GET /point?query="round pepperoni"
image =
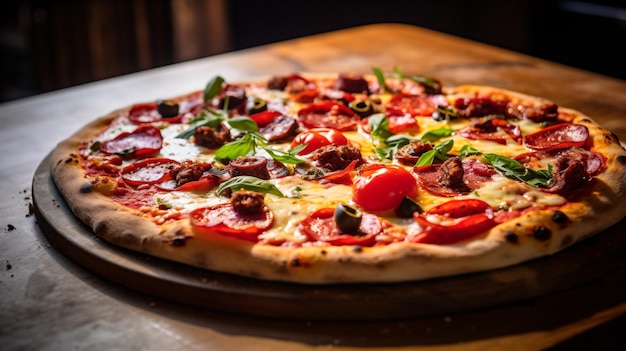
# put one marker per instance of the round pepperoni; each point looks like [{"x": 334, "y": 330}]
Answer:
[
  {"x": 321, "y": 226},
  {"x": 223, "y": 219},
  {"x": 475, "y": 173},
  {"x": 558, "y": 136},
  {"x": 328, "y": 114},
  {"x": 148, "y": 171},
  {"x": 414, "y": 105},
  {"x": 143, "y": 142}
]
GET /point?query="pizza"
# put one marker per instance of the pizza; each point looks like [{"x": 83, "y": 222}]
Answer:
[{"x": 344, "y": 178}]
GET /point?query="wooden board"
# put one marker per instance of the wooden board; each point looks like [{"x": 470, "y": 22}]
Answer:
[{"x": 585, "y": 261}]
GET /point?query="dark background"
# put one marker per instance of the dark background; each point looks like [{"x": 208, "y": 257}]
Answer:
[{"x": 48, "y": 45}]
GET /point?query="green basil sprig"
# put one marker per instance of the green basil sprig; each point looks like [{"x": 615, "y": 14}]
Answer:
[
  {"x": 386, "y": 144},
  {"x": 249, "y": 183},
  {"x": 513, "y": 169},
  {"x": 289, "y": 156},
  {"x": 418, "y": 79},
  {"x": 213, "y": 87},
  {"x": 380, "y": 76},
  {"x": 439, "y": 151},
  {"x": 206, "y": 118}
]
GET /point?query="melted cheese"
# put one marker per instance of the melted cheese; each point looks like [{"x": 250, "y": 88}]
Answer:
[{"x": 304, "y": 197}]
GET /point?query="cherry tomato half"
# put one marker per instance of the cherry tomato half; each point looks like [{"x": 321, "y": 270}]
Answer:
[
  {"x": 382, "y": 187},
  {"x": 316, "y": 138}
]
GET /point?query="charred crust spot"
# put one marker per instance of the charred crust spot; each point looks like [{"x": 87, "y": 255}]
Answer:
[
  {"x": 511, "y": 237},
  {"x": 295, "y": 262},
  {"x": 621, "y": 159},
  {"x": 178, "y": 241},
  {"x": 559, "y": 217},
  {"x": 541, "y": 233},
  {"x": 584, "y": 120},
  {"x": 68, "y": 160},
  {"x": 357, "y": 249},
  {"x": 86, "y": 188},
  {"x": 323, "y": 252}
]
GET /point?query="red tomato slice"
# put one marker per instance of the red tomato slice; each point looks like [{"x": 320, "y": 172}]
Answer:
[
  {"x": 316, "y": 138},
  {"x": 264, "y": 118},
  {"x": 144, "y": 113},
  {"x": 558, "y": 136},
  {"x": 223, "y": 219},
  {"x": 466, "y": 229},
  {"x": 460, "y": 208},
  {"x": 145, "y": 141},
  {"x": 382, "y": 187},
  {"x": 320, "y": 226},
  {"x": 328, "y": 114},
  {"x": 148, "y": 171}
]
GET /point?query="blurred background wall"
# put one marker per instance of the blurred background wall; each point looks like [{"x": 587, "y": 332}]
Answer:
[{"x": 48, "y": 45}]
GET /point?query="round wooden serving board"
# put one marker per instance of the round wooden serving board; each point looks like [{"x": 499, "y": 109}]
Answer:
[{"x": 581, "y": 263}]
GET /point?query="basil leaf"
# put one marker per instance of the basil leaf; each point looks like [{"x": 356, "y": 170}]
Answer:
[
  {"x": 213, "y": 87},
  {"x": 398, "y": 140},
  {"x": 468, "y": 150},
  {"x": 243, "y": 123},
  {"x": 513, "y": 169},
  {"x": 234, "y": 149},
  {"x": 436, "y": 134},
  {"x": 418, "y": 79},
  {"x": 249, "y": 183},
  {"x": 439, "y": 151},
  {"x": 379, "y": 126},
  {"x": 289, "y": 157},
  {"x": 381, "y": 78},
  {"x": 210, "y": 122},
  {"x": 385, "y": 153},
  {"x": 426, "y": 158},
  {"x": 445, "y": 147}
]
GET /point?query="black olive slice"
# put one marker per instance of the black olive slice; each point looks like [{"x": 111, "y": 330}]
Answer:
[
  {"x": 347, "y": 219},
  {"x": 444, "y": 113},
  {"x": 361, "y": 108},
  {"x": 256, "y": 105},
  {"x": 167, "y": 108},
  {"x": 407, "y": 208}
]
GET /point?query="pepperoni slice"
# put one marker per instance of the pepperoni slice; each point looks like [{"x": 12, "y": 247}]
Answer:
[
  {"x": 148, "y": 113},
  {"x": 558, "y": 136},
  {"x": 495, "y": 130},
  {"x": 414, "y": 105},
  {"x": 475, "y": 173},
  {"x": 321, "y": 226},
  {"x": 223, "y": 219},
  {"x": 143, "y": 142},
  {"x": 147, "y": 172},
  {"x": 328, "y": 114}
]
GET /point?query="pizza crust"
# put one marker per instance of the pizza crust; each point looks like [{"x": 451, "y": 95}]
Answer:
[{"x": 506, "y": 244}]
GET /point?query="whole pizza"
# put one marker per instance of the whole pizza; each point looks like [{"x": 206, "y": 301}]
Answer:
[{"x": 344, "y": 178}]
